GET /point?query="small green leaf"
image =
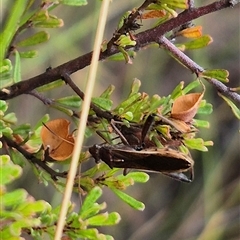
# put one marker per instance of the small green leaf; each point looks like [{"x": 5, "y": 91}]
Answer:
[
  {"x": 49, "y": 22},
  {"x": 138, "y": 176},
  {"x": 234, "y": 108},
  {"x": 74, "y": 2},
  {"x": 120, "y": 57},
  {"x": 17, "y": 158},
  {"x": 17, "y": 76},
  {"x": 10, "y": 118},
  {"x": 190, "y": 86},
  {"x": 91, "y": 198},
  {"x": 65, "y": 110},
  {"x": 93, "y": 210},
  {"x": 195, "y": 143},
  {"x": 200, "y": 42},
  {"x": 219, "y": 74},
  {"x": 129, "y": 200},
  {"x": 207, "y": 108},
  {"x": 104, "y": 219},
  {"x": 8, "y": 170},
  {"x": 5, "y": 66},
  {"x": 22, "y": 129},
  {"x": 108, "y": 92},
  {"x": 201, "y": 123},
  {"x": 70, "y": 101},
  {"x": 3, "y": 106},
  {"x": 15, "y": 197},
  {"x": 51, "y": 86},
  {"x": 28, "y": 54},
  {"x": 103, "y": 103},
  {"x": 30, "y": 208},
  {"x": 182, "y": 4},
  {"x": 35, "y": 39}
]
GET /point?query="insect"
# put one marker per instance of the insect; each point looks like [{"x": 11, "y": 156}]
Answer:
[
  {"x": 138, "y": 152},
  {"x": 167, "y": 161}
]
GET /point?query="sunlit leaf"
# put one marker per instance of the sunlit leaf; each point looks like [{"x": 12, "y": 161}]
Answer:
[
  {"x": 192, "y": 32},
  {"x": 74, "y": 2},
  {"x": 219, "y": 74},
  {"x": 129, "y": 200},
  {"x": 91, "y": 198},
  {"x": 197, "y": 43}
]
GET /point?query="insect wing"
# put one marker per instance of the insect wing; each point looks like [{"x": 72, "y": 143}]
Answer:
[{"x": 162, "y": 160}]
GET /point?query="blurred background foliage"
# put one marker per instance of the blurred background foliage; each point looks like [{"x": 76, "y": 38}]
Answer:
[{"x": 206, "y": 209}]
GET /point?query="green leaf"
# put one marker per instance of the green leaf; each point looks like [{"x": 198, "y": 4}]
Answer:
[
  {"x": 70, "y": 101},
  {"x": 8, "y": 170},
  {"x": 104, "y": 219},
  {"x": 200, "y": 42},
  {"x": 234, "y": 108},
  {"x": 182, "y": 4},
  {"x": 50, "y": 21},
  {"x": 103, "y": 103},
  {"x": 28, "y": 54},
  {"x": 17, "y": 158},
  {"x": 91, "y": 198},
  {"x": 22, "y": 129},
  {"x": 219, "y": 74},
  {"x": 195, "y": 143},
  {"x": 201, "y": 123},
  {"x": 65, "y": 110},
  {"x": 108, "y": 92},
  {"x": 129, "y": 200},
  {"x": 11, "y": 26},
  {"x": 30, "y": 208},
  {"x": 5, "y": 66},
  {"x": 3, "y": 106},
  {"x": 51, "y": 86},
  {"x": 141, "y": 177},
  {"x": 35, "y": 39},
  {"x": 10, "y": 118},
  {"x": 120, "y": 57},
  {"x": 74, "y": 2},
  {"x": 93, "y": 210},
  {"x": 15, "y": 197},
  {"x": 17, "y": 76},
  {"x": 190, "y": 86},
  {"x": 205, "y": 108}
]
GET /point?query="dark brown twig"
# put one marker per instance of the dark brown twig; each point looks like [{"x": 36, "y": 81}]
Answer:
[
  {"x": 31, "y": 158},
  {"x": 99, "y": 112}
]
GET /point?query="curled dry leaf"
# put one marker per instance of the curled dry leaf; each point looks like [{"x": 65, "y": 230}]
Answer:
[
  {"x": 57, "y": 140},
  {"x": 185, "y": 107}
]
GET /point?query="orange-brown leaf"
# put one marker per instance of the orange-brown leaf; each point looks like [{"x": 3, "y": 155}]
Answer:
[
  {"x": 185, "y": 107},
  {"x": 153, "y": 14},
  {"x": 56, "y": 139},
  {"x": 193, "y": 32}
]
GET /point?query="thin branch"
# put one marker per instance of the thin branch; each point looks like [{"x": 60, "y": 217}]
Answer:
[
  {"x": 99, "y": 112},
  {"x": 143, "y": 39},
  {"x": 195, "y": 68}
]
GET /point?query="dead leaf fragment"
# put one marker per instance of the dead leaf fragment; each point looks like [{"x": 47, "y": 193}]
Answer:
[
  {"x": 57, "y": 140},
  {"x": 185, "y": 107}
]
